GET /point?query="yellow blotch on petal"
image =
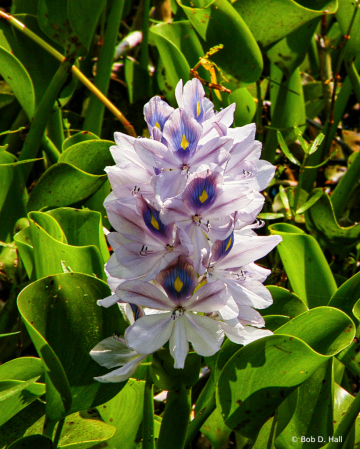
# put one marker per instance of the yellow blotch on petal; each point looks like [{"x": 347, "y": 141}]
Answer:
[
  {"x": 198, "y": 109},
  {"x": 178, "y": 284},
  {"x": 154, "y": 222},
  {"x": 228, "y": 245},
  {"x": 204, "y": 196},
  {"x": 157, "y": 125},
  {"x": 184, "y": 143}
]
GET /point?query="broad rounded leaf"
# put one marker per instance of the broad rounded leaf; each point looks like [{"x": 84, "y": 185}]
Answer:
[
  {"x": 77, "y": 138},
  {"x": 245, "y": 106},
  {"x": 22, "y": 368},
  {"x": 62, "y": 185},
  {"x": 284, "y": 303},
  {"x": 305, "y": 265},
  {"x": 32, "y": 442},
  {"x": 63, "y": 310},
  {"x": 217, "y": 22}
]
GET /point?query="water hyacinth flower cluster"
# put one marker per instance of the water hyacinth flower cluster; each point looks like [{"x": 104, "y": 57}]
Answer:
[{"x": 184, "y": 207}]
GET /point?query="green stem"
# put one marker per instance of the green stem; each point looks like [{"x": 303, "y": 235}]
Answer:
[
  {"x": 38, "y": 125},
  {"x": 95, "y": 112},
  {"x": 199, "y": 420},
  {"x": 13, "y": 139},
  {"x": 300, "y": 181},
  {"x": 50, "y": 149},
  {"x": 144, "y": 55},
  {"x": 176, "y": 419},
  {"x": 346, "y": 185},
  {"x": 346, "y": 424},
  {"x": 148, "y": 415},
  {"x": 58, "y": 433},
  {"x": 55, "y": 128}
]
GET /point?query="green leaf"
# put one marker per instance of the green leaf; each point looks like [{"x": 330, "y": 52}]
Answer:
[
  {"x": 77, "y": 138},
  {"x": 16, "y": 395},
  {"x": 310, "y": 202},
  {"x": 217, "y": 22},
  {"x": 84, "y": 16},
  {"x": 285, "y": 303},
  {"x": 138, "y": 81},
  {"x": 174, "y": 65},
  {"x": 270, "y": 216},
  {"x": 258, "y": 377},
  {"x": 63, "y": 310},
  {"x": 245, "y": 106},
  {"x": 49, "y": 225},
  {"x": 15, "y": 74},
  {"x": 23, "y": 368},
  {"x": 83, "y": 259},
  {"x": 32, "y": 442},
  {"x": 125, "y": 412},
  {"x": 290, "y": 52},
  {"x": 313, "y": 414},
  {"x": 273, "y": 322},
  {"x": 272, "y": 20},
  {"x": 285, "y": 149},
  {"x": 26, "y": 250},
  {"x": 323, "y": 162},
  {"x": 80, "y": 226},
  {"x": 317, "y": 142},
  {"x": 62, "y": 185},
  {"x": 9, "y": 335},
  {"x": 90, "y": 156},
  {"x": 322, "y": 223},
  {"x": 305, "y": 265},
  {"x": 326, "y": 329}
]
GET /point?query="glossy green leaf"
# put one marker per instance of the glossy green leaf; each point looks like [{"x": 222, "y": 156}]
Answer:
[
  {"x": 322, "y": 223},
  {"x": 23, "y": 368},
  {"x": 310, "y": 202},
  {"x": 16, "y": 395},
  {"x": 290, "y": 51},
  {"x": 305, "y": 265},
  {"x": 19, "y": 80},
  {"x": 90, "y": 156},
  {"x": 63, "y": 309},
  {"x": 84, "y": 16},
  {"x": 287, "y": 109},
  {"x": 125, "y": 412},
  {"x": 245, "y": 106},
  {"x": 62, "y": 257},
  {"x": 217, "y": 22},
  {"x": 62, "y": 185},
  {"x": 273, "y": 322},
  {"x": 26, "y": 250},
  {"x": 270, "y": 216},
  {"x": 344, "y": 15},
  {"x": 264, "y": 435},
  {"x": 285, "y": 149},
  {"x": 77, "y": 138},
  {"x": 49, "y": 225},
  {"x": 82, "y": 228},
  {"x": 285, "y": 303},
  {"x": 271, "y": 20},
  {"x": 258, "y": 377},
  {"x": 313, "y": 414},
  {"x": 174, "y": 64},
  {"x": 32, "y": 442},
  {"x": 346, "y": 297}
]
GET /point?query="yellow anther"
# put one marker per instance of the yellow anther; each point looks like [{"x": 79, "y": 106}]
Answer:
[
  {"x": 154, "y": 222},
  {"x": 157, "y": 125},
  {"x": 228, "y": 245},
  {"x": 184, "y": 143},
  {"x": 198, "y": 109},
  {"x": 178, "y": 284},
  {"x": 204, "y": 196}
]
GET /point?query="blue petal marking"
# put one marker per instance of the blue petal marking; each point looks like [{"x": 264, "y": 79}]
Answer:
[
  {"x": 196, "y": 190},
  {"x": 221, "y": 248},
  {"x": 152, "y": 220},
  {"x": 169, "y": 283}
]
